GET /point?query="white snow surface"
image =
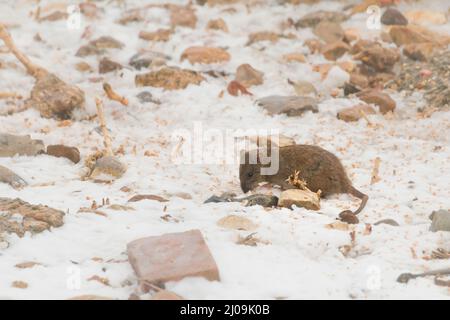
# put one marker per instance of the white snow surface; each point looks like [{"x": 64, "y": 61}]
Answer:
[{"x": 300, "y": 257}]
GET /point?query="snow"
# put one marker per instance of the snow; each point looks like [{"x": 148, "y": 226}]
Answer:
[{"x": 301, "y": 258}]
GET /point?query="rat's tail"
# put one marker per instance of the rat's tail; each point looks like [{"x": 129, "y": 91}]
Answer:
[{"x": 361, "y": 196}]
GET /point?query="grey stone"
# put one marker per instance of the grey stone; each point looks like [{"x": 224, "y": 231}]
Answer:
[
  {"x": 147, "y": 59},
  {"x": 289, "y": 105},
  {"x": 314, "y": 18},
  {"x": 393, "y": 17},
  {"x": 10, "y": 145},
  {"x": 440, "y": 221},
  {"x": 11, "y": 178},
  {"x": 147, "y": 97}
]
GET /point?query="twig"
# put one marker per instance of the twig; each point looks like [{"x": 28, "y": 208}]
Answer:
[
  {"x": 113, "y": 95},
  {"x": 440, "y": 254},
  {"x": 8, "y": 95},
  {"x": 295, "y": 181},
  {"x": 376, "y": 167},
  {"x": 32, "y": 69},
  {"x": 405, "y": 277},
  {"x": 101, "y": 120},
  {"x": 364, "y": 115}
]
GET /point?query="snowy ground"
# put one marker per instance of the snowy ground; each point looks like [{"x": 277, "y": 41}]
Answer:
[{"x": 301, "y": 258}]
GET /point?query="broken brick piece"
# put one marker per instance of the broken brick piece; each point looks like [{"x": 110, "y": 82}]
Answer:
[{"x": 171, "y": 257}]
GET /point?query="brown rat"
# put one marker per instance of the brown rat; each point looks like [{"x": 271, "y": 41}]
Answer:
[{"x": 320, "y": 169}]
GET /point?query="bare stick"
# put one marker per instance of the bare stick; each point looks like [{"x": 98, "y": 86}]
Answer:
[
  {"x": 9, "y": 95},
  {"x": 101, "y": 120},
  {"x": 113, "y": 95},
  {"x": 364, "y": 115},
  {"x": 32, "y": 69},
  {"x": 405, "y": 277}
]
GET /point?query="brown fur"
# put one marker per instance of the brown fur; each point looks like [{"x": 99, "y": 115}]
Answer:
[{"x": 320, "y": 169}]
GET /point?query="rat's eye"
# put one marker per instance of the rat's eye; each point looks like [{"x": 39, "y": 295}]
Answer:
[{"x": 250, "y": 174}]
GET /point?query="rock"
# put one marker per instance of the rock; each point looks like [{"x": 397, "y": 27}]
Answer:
[
  {"x": 158, "y": 35},
  {"x": 182, "y": 16},
  {"x": 169, "y": 78},
  {"x": 83, "y": 67},
  {"x": 217, "y": 24},
  {"x": 224, "y": 197},
  {"x": 11, "y": 178},
  {"x": 166, "y": 295},
  {"x": 108, "y": 168},
  {"x": 71, "y": 153},
  {"x": 89, "y": 9},
  {"x": 393, "y": 17},
  {"x": 11, "y": 145},
  {"x": 148, "y": 59},
  {"x": 234, "y": 88},
  {"x": 152, "y": 197},
  {"x": 314, "y": 45},
  {"x": 107, "y": 42},
  {"x": 205, "y": 55},
  {"x": 335, "y": 50},
  {"x": 303, "y": 88},
  {"x": 106, "y": 65},
  {"x": 363, "y": 44},
  {"x": 390, "y": 222},
  {"x": 35, "y": 218},
  {"x": 300, "y": 198},
  {"x": 146, "y": 97},
  {"x": 351, "y": 34},
  {"x": 329, "y": 32},
  {"x": 440, "y": 221},
  {"x": 19, "y": 284},
  {"x": 55, "y": 16},
  {"x": 402, "y": 35},
  {"x": 382, "y": 100},
  {"x": 355, "y": 113},
  {"x": 338, "y": 225},
  {"x": 34, "y": 226},
  {"x": 426, "y": 16},
  {"x": 314, "y": 18},
  {"x": 290, "y": 105},
  {"x": 386, "y": 37},
  {"x": 379, "y": 58},
  {"x": 419, "y": 51},
  {"x": 248, "y": 76},
  {"x": 262, "y": 36},
  {"x": 359, "y": 80},
  {"x": 348, "y": 217},
  {"x": 54, "y": 98},
  {"x": 262, "y": 200},
  {"x": 171, "y": 257},
  {"x": 347, "y": 66},
  {"x": 99, "y": 46},
  {"x": 294, "y": 57},
  {"x": 88, "y": 50},
  {"x": 90, "y": 297},
  {"x": 350, "y": 88},
  {"x": 237, "y": 223}
]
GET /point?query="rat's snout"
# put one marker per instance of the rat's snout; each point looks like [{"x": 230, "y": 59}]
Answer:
[{"x": 244, "y": 187}]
